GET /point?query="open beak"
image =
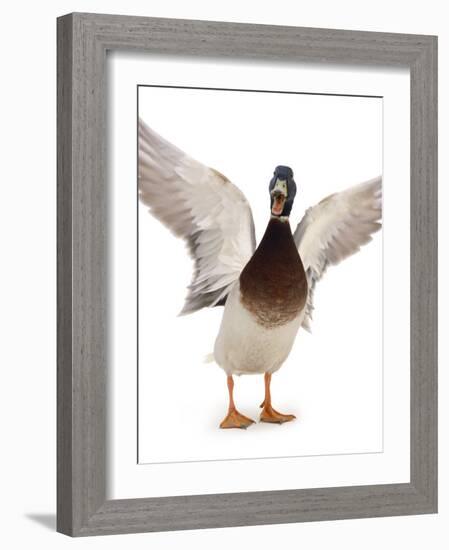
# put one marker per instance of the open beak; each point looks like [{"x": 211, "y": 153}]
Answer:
[{"x": 278, "y": 203}]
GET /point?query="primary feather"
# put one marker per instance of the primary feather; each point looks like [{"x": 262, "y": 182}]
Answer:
[
  {"x": 202, "y": 206},
  {"x": 335, "y": 228}
]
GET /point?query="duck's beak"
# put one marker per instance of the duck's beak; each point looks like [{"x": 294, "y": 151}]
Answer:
[{"x": 278, "y": 203}]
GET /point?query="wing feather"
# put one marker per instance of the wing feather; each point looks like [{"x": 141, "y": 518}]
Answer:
[
  {"x": 203, "y": 207},
  {"x": 336, "y": 228}
]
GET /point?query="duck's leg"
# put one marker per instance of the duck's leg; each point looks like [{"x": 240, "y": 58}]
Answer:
[
  {"x": 234, "y": 419},
  {"x": 269, "y": 414}
]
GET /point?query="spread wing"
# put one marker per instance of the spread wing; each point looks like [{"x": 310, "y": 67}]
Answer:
[
  {"x": 203, "y": 207},
  {"x": 335, "y": 228}
]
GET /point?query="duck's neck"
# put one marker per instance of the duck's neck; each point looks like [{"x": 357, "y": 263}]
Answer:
[
  {"x": 278, "y": 233},
  {"x": 280, "y": 218}
]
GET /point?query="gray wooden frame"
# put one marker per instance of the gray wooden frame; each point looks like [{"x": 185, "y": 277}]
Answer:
[{"x": 83, "y": 40}]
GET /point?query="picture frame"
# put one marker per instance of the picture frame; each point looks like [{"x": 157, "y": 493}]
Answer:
[{"x": 83, "y": 41}]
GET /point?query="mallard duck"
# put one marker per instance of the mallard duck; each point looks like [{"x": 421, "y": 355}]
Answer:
[{"x": 267, "y": 291}]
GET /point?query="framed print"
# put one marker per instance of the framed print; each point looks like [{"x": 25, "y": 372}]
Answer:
[{"x": 240, "y": 200}]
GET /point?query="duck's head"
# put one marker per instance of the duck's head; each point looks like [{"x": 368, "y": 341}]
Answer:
[{"x": 282, "y": 191}]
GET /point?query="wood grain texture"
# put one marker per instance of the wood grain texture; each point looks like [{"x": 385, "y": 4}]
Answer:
[
  {"x": 83, "y": 40},
  {"x": 64, "y": 278},
  {"x": 423, "y": 273}
]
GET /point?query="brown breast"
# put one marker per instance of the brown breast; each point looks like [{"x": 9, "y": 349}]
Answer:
[{"x": 273, "y": 284}]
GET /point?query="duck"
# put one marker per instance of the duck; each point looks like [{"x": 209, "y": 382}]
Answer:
[{"x": 266, "y": 290}]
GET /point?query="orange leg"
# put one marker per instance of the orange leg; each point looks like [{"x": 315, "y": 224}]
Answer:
[
  {"x": 269, "y": 414},
  {"x": 234, "y": 419}
]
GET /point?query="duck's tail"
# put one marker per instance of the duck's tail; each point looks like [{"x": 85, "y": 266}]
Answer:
[{"x": 209, "y": 358}]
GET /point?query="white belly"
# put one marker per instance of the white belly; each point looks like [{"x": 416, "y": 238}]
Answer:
[{"x": 243, "y": 346}]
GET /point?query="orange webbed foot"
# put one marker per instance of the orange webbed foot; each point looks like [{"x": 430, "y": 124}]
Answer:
[
  {"x": 236, "y": 420},
  {"x": 269, "y": 414}
]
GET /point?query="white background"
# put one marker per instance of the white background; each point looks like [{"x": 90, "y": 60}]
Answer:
[
  {"x": 28, "y": 275},
  {"x": 338, "y": 437},
  {"x": 334, "y": 389}
]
